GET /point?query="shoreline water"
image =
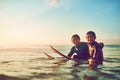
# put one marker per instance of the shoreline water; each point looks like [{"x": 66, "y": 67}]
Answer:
[{"x": 31, "y": 64}]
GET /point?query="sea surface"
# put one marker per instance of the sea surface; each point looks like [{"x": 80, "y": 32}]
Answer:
[{"x": 30, "y": 63}]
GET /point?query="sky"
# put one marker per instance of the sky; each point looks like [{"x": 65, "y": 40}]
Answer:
[{"x": 24, "y": 22}]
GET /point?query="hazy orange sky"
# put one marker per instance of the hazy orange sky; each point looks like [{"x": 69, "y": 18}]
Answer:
[{"x": 55, "y": 21}]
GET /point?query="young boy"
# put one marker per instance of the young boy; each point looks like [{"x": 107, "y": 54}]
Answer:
[
  {"x": 80, "y": 48},
  {"x": 95, "y": 49}
]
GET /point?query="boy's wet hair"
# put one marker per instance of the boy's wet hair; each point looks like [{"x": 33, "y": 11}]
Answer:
[
  {"x": 92, "y": 33},
  {"x": 76, "y": 35}
]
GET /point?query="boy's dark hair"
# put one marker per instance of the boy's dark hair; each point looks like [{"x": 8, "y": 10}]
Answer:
[
  {"x": 76, "y": 35},
  {"x": 92, "y": 33}
]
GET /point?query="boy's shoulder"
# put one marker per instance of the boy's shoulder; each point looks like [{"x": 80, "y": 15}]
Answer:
[
  {"x": 83, "y": 44},
  {"x": 100, "y": 44}
]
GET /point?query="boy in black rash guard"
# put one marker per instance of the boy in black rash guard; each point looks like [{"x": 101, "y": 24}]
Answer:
[
  {"x": 80, "y": 48},
  {"x": 95, "y": 49}
]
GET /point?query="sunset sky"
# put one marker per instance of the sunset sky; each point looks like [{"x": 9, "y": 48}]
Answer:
[{"x": 55, "y": 21}]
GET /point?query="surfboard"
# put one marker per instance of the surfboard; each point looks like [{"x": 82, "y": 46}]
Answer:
[
  {"x": 61, "y": 54},
  {"x": 48, "y": 56}
]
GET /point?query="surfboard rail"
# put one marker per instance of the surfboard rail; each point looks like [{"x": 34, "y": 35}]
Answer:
[{"x": 59, "y": 53}]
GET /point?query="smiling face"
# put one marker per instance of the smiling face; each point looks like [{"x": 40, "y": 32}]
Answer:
[
  {"x": 90, "y": 38},
  {"x": 75, "y": 40}
]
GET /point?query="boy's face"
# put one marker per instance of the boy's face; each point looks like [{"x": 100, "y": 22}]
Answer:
[
  {"x": 90, "y": 38},
  {"x": 75, "y": 40}
]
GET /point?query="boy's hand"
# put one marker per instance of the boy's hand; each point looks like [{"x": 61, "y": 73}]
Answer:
[{"x": 91, "y": 61}]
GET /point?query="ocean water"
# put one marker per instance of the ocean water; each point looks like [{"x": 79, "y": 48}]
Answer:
[{"x": 30, "y": 63}]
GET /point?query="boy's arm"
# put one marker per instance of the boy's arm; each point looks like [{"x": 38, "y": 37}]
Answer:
[
  {"x": 71, "y": 52},
  {"x": 98, "y": 51},
  {"x": 101, "y": 44}
]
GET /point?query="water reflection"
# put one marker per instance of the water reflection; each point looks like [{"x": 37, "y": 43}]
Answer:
[
  {"x": 91, "y": 72},
  {"x": 32, "y": 66}
]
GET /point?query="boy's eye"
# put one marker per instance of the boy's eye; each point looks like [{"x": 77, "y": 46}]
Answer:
[{"x": 88, "y": 37}]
